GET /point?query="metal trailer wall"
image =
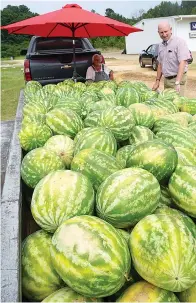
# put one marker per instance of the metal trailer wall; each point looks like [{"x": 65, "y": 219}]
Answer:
[{"x": 11, "y": 212}]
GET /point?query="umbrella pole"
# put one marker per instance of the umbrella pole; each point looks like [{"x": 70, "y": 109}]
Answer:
[{"x": 74, "y": 55}]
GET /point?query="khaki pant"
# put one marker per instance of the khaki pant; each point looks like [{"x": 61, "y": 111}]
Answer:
[{"x": 170, "y": 83}]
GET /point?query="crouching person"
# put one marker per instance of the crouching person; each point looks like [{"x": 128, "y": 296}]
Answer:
[{"x": 98, "y": 71}]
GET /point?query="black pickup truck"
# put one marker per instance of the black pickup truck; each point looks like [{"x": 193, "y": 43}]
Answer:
[{"x": 50, "y": 60}]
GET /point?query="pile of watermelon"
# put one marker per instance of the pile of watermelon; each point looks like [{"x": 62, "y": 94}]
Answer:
[{"x": 113, "y": 172}]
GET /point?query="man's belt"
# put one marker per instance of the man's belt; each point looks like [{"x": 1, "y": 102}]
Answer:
[{"x": 172, "y": 77}]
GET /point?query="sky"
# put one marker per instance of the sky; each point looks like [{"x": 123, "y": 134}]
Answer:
[{"x": 127, "y": 8}]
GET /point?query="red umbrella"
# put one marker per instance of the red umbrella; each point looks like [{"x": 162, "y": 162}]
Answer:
[{"x": 71, "y": 21}]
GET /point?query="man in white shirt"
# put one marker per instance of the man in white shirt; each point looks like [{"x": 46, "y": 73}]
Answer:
[{"x": 98, "y": 71}]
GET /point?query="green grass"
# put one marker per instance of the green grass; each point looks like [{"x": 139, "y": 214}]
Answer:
[
  {"x": 12, "y": 80},
  {"x": 15, "y": 58}
]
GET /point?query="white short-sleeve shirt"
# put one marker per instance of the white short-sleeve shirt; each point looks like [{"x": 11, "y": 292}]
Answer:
[{"x": 90, "y": 74}]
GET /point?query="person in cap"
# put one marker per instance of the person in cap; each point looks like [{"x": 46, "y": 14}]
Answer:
[
  {"x": 172, "y": 59},
  {"x": 98, "y": 71}
]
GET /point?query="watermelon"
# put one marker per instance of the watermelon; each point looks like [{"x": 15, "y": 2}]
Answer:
[
  {"x": 185, "y": 156},
  {"x": 126, "y": 96},
  {"x": 123, "y": 153},
  {"x": 180, "y": 215},
  {"x": 36, "y": 108},
  {"x": 163, "y": 252},
  {"x": 92, "y": 118},
  {"x": 34, "y": 135},
  {"x": 181, "y": 119},
  {"x": 188, "y": 295},
  {"x": 64, "y": 122},
  {"x": 182, "y": 187},
  {"x": 95, "y": 164},
  {"x": 142, "y": 114},
  {"x": 39, "y": 278},
  {"x": 101, "y": 105},
  {"x": 69, "y": 103},
  {"x": 60, "y": 196},
  {"x": 178, "y": 136},
  {"x": 34, "y": 118},
  {"x": 140, "y": 134},
  {"x": 125, "y": 234},
  {"x": 165, "y": 198},
  {"x": 90, "y": 256},
  {"x": 121, "y": 198},
  {"x": 63, "y": 146},
  {"x": 192, "y": 126},
  {"x": 189, "y": 106},
  {"x": 37, "y": 164},
  {"x": 67, "y": 294},
  {"x": 143, "y": 291},
  {"x": 156, "y": 156},
  {"x": 119, "y": 120},
  {"x": 98, "y": 138}
]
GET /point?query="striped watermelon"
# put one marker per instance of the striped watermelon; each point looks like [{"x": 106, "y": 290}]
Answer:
[
  {"x": 181, "y": 119},
  {"x": 67, "y": 294},
  {"x": 98, "y": 138},
  {"x": 180, "y": 215},
  {"x": 123, "y": 233},
  {"x": 165, "y": 198},
  {"x": 182, "y": 187},
  {"x": 37, "y": 164},
  {"x": 156, "y": 156},
  {"x": 33, "y": 107},
  {"x": 163, "y": 252},
  {"x": 140, "y": 134},
  {"x": 34, "y": 118},
  {"x": 39, "y": 278},
  {"x": 123, "y": 153},
  {"x": 142, "y": 114},
  {"x": 60, "y": 196},
  {"x": 126, "y": 96},
  {"x": 33, "y": 135},
  {"x": 92, "y": 118},
  {"x": 69, "y": 103},
  {"x": 64, "y": 122},
  {"x": 185, "y": 156},
  {"x": 189, "y": 106},
  {"x": 188, "y": 295},
  {"x": 143, "y": 291},
  {"x": 63, "y": 146},
  {"x": 192, "y": 126},
  {"x": 90, "y": 256},
  {"x": 101, "y": 105},
  {"x": 119, "y": 120},
  {"x": 95, "y": 164},
  {"x": 121, "y": 198},
  {"x": 178, "y": 136}
]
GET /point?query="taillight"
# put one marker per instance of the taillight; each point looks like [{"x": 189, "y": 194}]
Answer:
[{"x": 27, "y": 73}]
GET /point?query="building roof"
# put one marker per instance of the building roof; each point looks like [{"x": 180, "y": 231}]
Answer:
[{"x": 174, "y": 17}]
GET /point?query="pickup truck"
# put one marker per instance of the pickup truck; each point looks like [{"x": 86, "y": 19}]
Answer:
[{"x": 50, "y": 60}]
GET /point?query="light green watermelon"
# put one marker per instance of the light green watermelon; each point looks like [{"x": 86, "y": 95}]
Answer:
[
  {"x": 67, "y": 294},
  {"x": 121, "y": 198},
  {"x": 163, "y": 252},
  {"x": 125, "y": 234},
  {"x": 95, "y": 164},
  {"x": 143, "y": 291},
  {"x": 192, "y": 127},
  {"x": 60, "y": 196},
  {"x": 119, "y": 120},
  {"x": 189, "y": 106},
  {"x": 182, "y": 187},
  {"x": 37, "y": 164},
  {"x": 32, "y": 107},
  {"x": 98, "y": 138},
  {"x": 33, "y": 135},
  {"x": 165, "y": 198},
  {"x": 39, "y": 278},
  {"x": 90, "y": 256},
  {"x": 156, "y": 156},
  {"x": 63, "y": 146},
  {"x": 185, "y": 156},
  {"x": 33, "y": 118},
  {"x": 64, "y": 122},
  {"x": 180, "y": 215},
  {"x": 140, "y": 134},
  {"x": 142, "y": 114},
  {"x": 92, "y": 118},
  {"x": 69, "y": 103},
  {"x": 101, "y": 105}
]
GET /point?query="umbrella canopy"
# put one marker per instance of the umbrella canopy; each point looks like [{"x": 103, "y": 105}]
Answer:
[{"x": 71, "y": 21}]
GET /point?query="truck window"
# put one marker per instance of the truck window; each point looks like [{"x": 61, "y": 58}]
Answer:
[{"x": 55, "y": 44}]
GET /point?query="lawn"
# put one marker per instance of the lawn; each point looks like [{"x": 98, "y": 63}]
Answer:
[{"x": 12, "y": 80}]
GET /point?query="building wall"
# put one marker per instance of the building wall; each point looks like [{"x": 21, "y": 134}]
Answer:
[
  {"x": 183, "y": 30},
  {"x": 138, "y": 41}
]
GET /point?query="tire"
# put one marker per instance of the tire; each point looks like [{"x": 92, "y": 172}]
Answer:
[
  {"x": 154, "y": 65},
  {"x": 142, "y": 65}
]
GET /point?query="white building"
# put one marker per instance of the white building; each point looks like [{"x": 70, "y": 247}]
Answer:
[{"x": 183, "y": 26}]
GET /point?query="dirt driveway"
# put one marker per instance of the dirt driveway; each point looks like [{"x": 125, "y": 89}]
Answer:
[{"x": 126, "y": 67}]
